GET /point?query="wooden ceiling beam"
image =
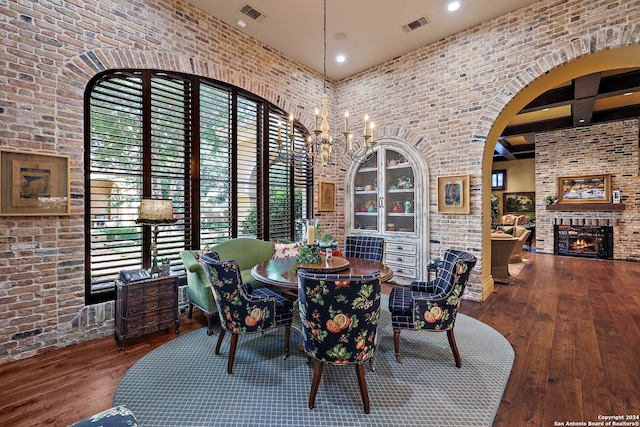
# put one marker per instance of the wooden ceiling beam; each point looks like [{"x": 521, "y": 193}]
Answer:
[
  {"x": 560, "y": 123},
  {"x": 581, "y": 95},
  {"x": 586, "y": 86},
  {"x": 619, "y": 84},
  {"x": 552, "y": 98},
  {"x": 622, "y": 113},
  {"x": 581, "y": 111},
  {"x": 585, "y": 89}
]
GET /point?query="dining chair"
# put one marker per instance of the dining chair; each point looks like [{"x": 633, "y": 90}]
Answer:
[
  {"x": 243, "y": 310},
  {"x": 433, "y": 305},
  {"x": 339, "y": 315},
  {"x": 366, "y": 247}
]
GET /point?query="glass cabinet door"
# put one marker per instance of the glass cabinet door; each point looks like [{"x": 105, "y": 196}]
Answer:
[
  {"x": 365, "y": 199},
  {"x": 399, "y": 199}
]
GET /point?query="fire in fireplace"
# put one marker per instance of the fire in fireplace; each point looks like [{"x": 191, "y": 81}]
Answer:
[{"x": 583, "y": 240}]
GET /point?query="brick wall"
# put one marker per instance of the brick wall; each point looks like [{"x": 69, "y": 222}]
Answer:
[
  {"x": 443, "y": 98},
  {"x": 610, "y": 148}
]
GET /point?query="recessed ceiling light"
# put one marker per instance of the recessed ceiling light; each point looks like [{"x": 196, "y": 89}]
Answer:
[
  {"x": 581, "y": 120},
  {"x": 341, "y": 58},
  {"x": 241, "y": 23},
  {"x": 453, "y": 6}
]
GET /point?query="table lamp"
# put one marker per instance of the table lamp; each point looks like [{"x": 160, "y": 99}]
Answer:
[{"x": 153, "y": 212}]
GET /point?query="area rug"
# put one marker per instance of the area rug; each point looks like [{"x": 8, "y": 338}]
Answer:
[{"x": 183, "y": 383}]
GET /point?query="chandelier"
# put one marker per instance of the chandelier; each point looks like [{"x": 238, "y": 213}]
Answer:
[{"x": 321, "y": 145}]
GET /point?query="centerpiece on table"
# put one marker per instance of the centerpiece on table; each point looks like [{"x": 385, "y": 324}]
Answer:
[
  {"x": 310, "y": 252},
  {"x": 316, "y": 255},
  {"x": 326, "y": 240}
]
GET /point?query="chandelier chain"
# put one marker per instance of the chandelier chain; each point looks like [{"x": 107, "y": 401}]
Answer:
[
  {"x": 324, "y": 38},
  {"x": 321, "y": 145}
]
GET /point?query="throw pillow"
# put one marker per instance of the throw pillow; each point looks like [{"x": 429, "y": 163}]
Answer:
[
  {"x": 507, "y": 229},
  {"x": 286, "y": 250}
]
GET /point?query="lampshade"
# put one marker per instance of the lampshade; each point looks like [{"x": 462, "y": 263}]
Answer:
[{"x": 156, "y": 211}]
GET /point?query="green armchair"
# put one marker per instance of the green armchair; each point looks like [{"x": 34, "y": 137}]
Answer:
[{"x": 199, "y": 289}]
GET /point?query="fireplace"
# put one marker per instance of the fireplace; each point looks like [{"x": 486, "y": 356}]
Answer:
[{"x": 583, "y": 240}]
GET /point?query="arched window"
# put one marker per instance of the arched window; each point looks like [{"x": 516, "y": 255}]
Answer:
[{"x": 208, "y": 146}]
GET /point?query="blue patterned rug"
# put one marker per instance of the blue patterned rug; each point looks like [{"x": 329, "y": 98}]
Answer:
[{"x": 183, "y": 383}]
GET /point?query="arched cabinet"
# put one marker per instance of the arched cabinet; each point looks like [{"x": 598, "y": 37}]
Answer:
[{"x": 387, "y": 196}]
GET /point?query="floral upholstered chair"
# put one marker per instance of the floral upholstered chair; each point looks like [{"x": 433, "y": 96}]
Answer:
[
  {"x": 241, "y": 309},
  {"x": 432, "y": 305},
  {"x": 339, "y": 316},
  {"x": 118, "y": 416},
  {"x": 366, "y": 247}
]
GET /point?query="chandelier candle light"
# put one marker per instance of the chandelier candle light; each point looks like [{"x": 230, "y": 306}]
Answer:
[{"x": 323, "y": 143}]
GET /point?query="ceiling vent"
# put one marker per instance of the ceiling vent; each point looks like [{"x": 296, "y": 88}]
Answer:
[
  {"x": 252, "y": 13},
  {"x": 420, "y": 22}
]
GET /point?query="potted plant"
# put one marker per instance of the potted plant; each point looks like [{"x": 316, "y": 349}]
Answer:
[
  {"x": 325, "y": 239},
  {"x": 308, "y": 254},
  {"x": 495, "y": 208}
]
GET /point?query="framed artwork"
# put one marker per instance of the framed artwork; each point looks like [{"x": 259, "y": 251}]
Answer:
[
  {"x": 326, "y": 196},
  {"x": 33, "y": 184},
  {"x": 453, "y": 194},
  {"x": 585, "y": 189},
  {"x": 519, "y": 203}
]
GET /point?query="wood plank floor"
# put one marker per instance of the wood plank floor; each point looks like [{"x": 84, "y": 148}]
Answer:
[{"x": 574, "y": 324}]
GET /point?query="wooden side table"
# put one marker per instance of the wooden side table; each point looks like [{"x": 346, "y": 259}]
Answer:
[{"x": 146, "y": 306}]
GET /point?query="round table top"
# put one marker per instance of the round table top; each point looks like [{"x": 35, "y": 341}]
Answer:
[{"x": 283, "y": 272}]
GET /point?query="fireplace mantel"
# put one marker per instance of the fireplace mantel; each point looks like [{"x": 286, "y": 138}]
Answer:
[{"x": 585, "y": 207}]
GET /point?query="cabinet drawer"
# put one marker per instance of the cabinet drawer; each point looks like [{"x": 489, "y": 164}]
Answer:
[
  {"x": 401, "y": 259},
  {"x": 142, "y": 305},
  {"x": 147, "y": 322},
  {"x": 150, "y": 289},
  {"x": 401, "y": 247},
  {"x": 400, "y": 272}
]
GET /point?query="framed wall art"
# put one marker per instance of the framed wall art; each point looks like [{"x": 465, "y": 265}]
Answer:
[
  {"x": 453, "y": 194},
  {"x": 585, "y": 189},
  {"x": 33, "y": 184},
  {"x": 326, "y": 196},
  {"x": 519, "y": 202}
]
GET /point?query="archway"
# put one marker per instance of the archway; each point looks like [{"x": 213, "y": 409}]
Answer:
[{"x": 623, "y": 57}]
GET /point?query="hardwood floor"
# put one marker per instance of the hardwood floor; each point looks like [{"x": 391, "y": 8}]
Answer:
[{"x": 574, "y": 324}]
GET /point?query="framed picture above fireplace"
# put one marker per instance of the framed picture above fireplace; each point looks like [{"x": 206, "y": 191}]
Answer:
[{"x": 585, "y": 189}]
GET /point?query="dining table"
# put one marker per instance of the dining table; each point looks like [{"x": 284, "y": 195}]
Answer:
[{"x": 283, "y": 272}]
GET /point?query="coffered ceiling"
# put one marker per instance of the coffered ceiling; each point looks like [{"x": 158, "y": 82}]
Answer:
[{"x": 590, "y": 99}]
